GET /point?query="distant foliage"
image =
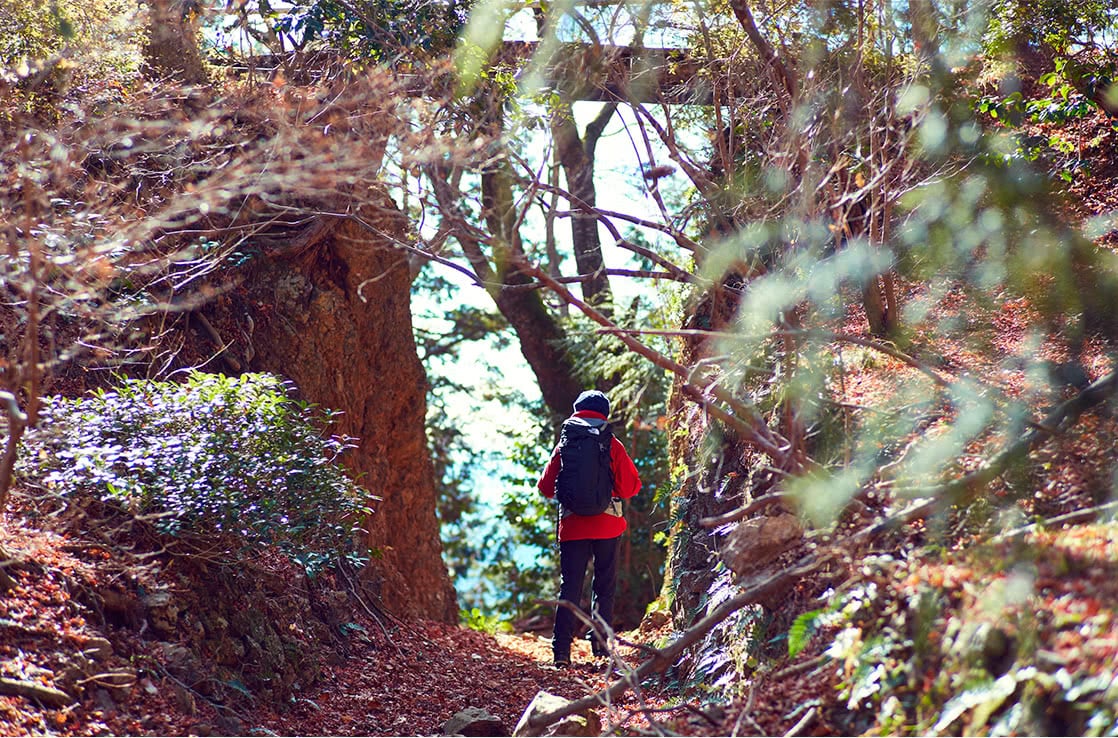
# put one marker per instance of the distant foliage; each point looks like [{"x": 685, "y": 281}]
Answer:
[
  {"x": 380, "y": 31},
  {"x": 214, "y": 455},
  {"x": 46, "y": 48}
]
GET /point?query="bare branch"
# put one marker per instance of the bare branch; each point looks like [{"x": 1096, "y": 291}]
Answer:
[
  {"x": 785, "y": 73},
  {"x": 741, "y": 417}
]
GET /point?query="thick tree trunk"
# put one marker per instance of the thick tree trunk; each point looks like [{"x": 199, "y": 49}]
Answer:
[
  {"x": 336, "y": 319},
  {"x": 540, "y": 339},
  {"x": 172, "y": 47},
  {"x": 875, "y": 307}
]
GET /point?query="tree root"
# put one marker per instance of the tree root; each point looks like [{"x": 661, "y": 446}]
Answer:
[{"x": 48, "y": 696}]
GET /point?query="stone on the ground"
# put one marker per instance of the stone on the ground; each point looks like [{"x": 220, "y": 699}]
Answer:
[
  {"x": 98, "y": 649},
  {"x": 588, "y": 724},
  {"x": 585, "y": 724},
  {"x": 474, "y": 721}
]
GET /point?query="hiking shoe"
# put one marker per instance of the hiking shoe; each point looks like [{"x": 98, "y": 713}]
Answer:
[{"x": 562, "y": 662}]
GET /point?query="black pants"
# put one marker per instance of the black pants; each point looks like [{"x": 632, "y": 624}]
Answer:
[{"x": 573, "y": 559}]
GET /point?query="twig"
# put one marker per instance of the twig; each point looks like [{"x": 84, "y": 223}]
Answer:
[
  {"x": 372, "y": 613},
  {"x": 218, "y": 707},
  {"x": 828, "y": 335},
  {"x": 222, "y": 346},
  {"x": 801, "y": 667},
  {"x": 744, "y": 511},
  {"x": 744, "y": 715},
  {"x": 803, "y": 724},
  {"x": 578, "y": 278},
  {"x": 107, "y": 679},
  {"x": 1072, "y": 518}
]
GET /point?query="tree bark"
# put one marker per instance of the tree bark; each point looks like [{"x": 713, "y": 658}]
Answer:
[
  {"x": 172, "y": 47},
  {"x": 875, "y": 307},
  {"x": 540, "y": 338},
  {"x": 335, "y": 318}
]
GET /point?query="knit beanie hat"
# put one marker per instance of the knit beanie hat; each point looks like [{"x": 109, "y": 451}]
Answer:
[{"x": 593, "y": 400}]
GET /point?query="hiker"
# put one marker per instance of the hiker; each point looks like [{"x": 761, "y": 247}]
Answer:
[{"x": 590, "y": 477}]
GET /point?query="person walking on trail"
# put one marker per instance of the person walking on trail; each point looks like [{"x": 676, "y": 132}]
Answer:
[{"x": 589, "y": 473}]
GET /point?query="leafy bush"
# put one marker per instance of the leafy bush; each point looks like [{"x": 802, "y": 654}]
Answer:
[
  {"x": 214, "y": 455},
  {"x": 475, "y": 619}
]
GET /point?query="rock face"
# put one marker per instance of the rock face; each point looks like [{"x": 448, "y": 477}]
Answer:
[{"x": 332, "y": 312}]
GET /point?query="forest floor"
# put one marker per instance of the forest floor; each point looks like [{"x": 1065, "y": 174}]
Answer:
[
  {"x": 409, "y": 677},
  {"x": 384, "y": 676},
  {"x": 389, "y": 677}
]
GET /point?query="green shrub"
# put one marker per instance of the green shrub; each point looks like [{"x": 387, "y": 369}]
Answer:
[
  {"x": 234, "y": 457},
  {"x": 475, "y": 619}
]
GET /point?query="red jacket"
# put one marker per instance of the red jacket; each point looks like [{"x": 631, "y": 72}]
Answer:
[{"x": 626, "y": 483}]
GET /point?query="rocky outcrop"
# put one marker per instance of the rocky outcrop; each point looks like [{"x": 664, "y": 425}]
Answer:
[{"x": 586, "y": 723}]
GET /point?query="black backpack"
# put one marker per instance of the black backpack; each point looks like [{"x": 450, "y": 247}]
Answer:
[{"x": 585, "y": 483}]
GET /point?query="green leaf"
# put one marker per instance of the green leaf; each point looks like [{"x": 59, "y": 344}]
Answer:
[
  {"x": 803, "y": 628},
  {"x": 482, "y": 35}
]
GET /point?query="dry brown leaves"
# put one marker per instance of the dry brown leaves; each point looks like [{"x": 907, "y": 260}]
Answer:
[{"x": 390, "y": 678}]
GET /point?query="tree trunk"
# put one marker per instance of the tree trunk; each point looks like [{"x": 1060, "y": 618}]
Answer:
[
  {"x": 540, "y": 340},
  {"x": 172, "y": 47},
  {"x": 577, "y": 159},
  {"x": 875, "y": 307},
  {"x": 336, "y": 319},
  {"x": 892, "y": 307},
  {"x": 538, "y": 332}
]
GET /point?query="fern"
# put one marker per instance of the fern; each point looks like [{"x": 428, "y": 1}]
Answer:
[{"x": 802, "y": 630}]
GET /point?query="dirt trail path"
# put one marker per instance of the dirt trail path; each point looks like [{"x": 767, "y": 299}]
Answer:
[
  {"x": 381, "y": 677},
  {"x": 410, "y": 678}
]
